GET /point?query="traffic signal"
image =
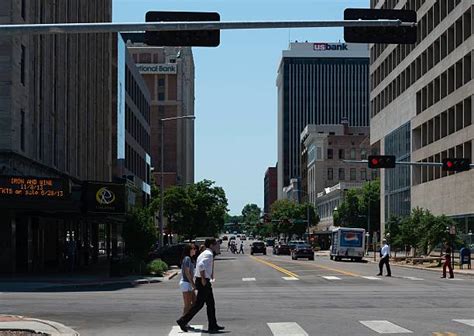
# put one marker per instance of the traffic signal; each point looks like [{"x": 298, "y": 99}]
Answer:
[
  {"x": 184, "y": 38},
  {"x": 456, "y": 164},
  {"x": 395, "y": 35},
  {"x": 381, "y": 161}
]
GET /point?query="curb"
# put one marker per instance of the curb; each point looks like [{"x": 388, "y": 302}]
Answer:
[
  {"x": 21, "y": 323},
  {"x": 423, "y": 268}
]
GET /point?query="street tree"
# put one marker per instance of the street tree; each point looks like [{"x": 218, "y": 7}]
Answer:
[
  {"x": 290, "y": 217},
  {"x": 251, "y": 216}
]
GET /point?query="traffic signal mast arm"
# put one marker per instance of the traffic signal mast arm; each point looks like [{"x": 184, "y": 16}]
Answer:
[{"x": 111, "y": 27}]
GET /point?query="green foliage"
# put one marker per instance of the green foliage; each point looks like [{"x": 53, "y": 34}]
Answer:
[
  {"x": 139, "y": 233},
  {"x": 156, "y": 267},
  {"x": 196, "y": 210},
  {"x": 251, "y": 217},
  {"x": 290, "y": 217},
  {"x": 354, "y": 210}
]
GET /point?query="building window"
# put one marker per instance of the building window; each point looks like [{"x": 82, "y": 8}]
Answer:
[
  {"x": 330, "y": 154},
  {"x": 161, "y": 82},
  {"x": 22, "y": 131},
  {"x": 342, "y": 176},
  {"x": 341, "y": 154},
  {"x": 353, "y": 173},
  {"x": 161, "y": 96},
  {"x": 353, "y": 153},
  {"x": 363, "y": 154},
  {"x": 330, "y": 174},
  {"x": 363, "y": 174},
  {"x": 23, "y": 9},
  {"x": 319, "y": 153},
  {"x": 22, "y": 65}
]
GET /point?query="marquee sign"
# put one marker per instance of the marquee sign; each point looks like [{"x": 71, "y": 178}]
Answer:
[{"x": 33, "y": 188}]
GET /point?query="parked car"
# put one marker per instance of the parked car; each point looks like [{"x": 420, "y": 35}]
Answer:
[
  {"x": 171, "y": 254},
  {"x": 270, "y": 242},
  {"x": 302, "y": 251},
  {"x": 258, "y": 247},
  {"x": 281, "y": 248}
]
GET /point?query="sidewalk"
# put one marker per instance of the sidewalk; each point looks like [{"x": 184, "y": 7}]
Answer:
[
  {"x": 71, "y": 282},
  {"x": 22, "y": 326}
]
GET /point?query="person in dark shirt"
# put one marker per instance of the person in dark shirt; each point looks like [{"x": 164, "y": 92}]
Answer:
[{"x": 447, "y": 262}]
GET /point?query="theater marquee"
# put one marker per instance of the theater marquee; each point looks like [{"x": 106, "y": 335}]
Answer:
[{"x": 33, "y": 188}]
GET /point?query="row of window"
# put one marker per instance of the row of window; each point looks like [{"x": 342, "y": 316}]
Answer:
[
  {"x": 425, "y": 174},
  {"x": 135, "y": 163},
  {"x": 352, "y": 174},
  {"x": 448, "y": 122},
  {"x": 452, "y": 79},
  {"x": 454, "y": 36},
  {"x": 136, "y": 129},
  {"x": 134, "y": 91},
  {"x": 434, "y": 16}
]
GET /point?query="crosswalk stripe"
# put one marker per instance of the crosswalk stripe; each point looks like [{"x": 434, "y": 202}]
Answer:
[
  {"x": 248, "y": 279},
  {"x": 286, "y": 329},
  {"x": 289, "y": 278},
  {"x": 413, "y": 278},
  {"x": 385, "y": 327},
  {"x": 331, "y": 277},
  {"x": 455, "y": 279},
  {"x": 466, "y": 322},
  {"x": 177, "y": 331},
  {"x": 371, "y": 278}
]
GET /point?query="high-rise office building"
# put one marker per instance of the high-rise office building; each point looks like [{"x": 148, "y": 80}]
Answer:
[
  {"x": 169, "y": 75},
  {"x": 270, "y": 188},
  {"x": 321, "y": 84},
  {"x": 422, "y": 110}
]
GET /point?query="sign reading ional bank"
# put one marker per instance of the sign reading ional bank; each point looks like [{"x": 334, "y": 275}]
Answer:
[
  {"x": 157, "y": 69},
  {"x": 33, "y": 188}
]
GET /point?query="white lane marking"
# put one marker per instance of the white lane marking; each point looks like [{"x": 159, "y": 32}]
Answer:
[
  {"x": 289, "y": 278},
  {"x": 177, "y": 331},
  {"x": 331, "y": 277},
  {"x": 455, "y": 279},
  {"x": 249, "y": 279},
  {"x": 413, "y": 278},
  {"x": 371, "y": 278},
  {"x": 286, "y": 329},
  {"x": 466, "y": 322},
  {"x": 385, "y": 327}
]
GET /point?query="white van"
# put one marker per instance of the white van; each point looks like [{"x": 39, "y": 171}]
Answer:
[{"x": 348, "y": 243}]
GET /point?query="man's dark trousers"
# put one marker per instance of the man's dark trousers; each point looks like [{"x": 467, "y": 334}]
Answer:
[
  {"x": 204, "y": 296},
  {"x": 383, "y": 261}
]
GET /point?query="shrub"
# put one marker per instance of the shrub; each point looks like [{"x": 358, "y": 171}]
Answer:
[{"x": 157, "y": 267}]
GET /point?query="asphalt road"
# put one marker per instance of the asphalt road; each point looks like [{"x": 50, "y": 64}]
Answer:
[{"x": 273, "y": 295}]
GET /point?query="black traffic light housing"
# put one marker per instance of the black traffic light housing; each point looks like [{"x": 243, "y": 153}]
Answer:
[
  {"x": 381, "y": 161},
  {"x": 184, "y": 38},
  {"x": 456, "y": 164},
  {"x": 395, "y": 35}
]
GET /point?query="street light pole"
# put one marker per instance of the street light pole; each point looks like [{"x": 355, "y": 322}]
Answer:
[{"x": 162, "y": 187}]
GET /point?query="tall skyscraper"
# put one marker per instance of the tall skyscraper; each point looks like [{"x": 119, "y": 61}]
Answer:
[
  {"x": 320, "y": 84},
  {"x": 422, "y": 110},
  {"x": 270, "y": 188}
]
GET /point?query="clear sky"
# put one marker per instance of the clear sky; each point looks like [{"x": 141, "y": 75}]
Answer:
[{"x": 236, "y": 97}]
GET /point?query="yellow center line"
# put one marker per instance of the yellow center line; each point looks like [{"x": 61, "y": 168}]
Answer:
[{"x": 278, "y": 268}]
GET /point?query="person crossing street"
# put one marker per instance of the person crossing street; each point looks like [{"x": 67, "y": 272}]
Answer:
[{"x": 385, "y": 259}]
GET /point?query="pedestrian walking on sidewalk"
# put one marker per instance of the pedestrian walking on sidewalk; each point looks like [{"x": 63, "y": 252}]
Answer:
[
  {"x": 385, "y": 259},
  {"x": 203, "y": 273},
  {"x": 447, "y": 262},
  {"x": 186, "y": 282}
]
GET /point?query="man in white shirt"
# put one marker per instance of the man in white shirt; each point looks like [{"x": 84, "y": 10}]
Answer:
[
  {"x": 203, "y": 273},
  {"x": 385, "y": 256}
]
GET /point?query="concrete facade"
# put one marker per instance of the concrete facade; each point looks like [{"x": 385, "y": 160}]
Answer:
[
  {"x": 429, "y": 87},
  {"x": 270, "y": 188},
  {"x": 169, "y": 75}
]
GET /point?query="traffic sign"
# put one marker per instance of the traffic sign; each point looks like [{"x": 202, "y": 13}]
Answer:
[
  {"x": 395, "y": 35},
  {"x": 184, "y": 38}
]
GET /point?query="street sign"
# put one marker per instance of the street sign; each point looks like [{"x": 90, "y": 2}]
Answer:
[
  {"x": 185, "y": 38},
  {"x": 395, "y": 35},
  {"x": 381, "y": 161},
  {"x": 456, "y": 164}
]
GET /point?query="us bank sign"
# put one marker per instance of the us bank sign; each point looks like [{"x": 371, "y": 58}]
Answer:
[
  {"x": 329, "y": 46},
  {"x": 157, "y": 69}
]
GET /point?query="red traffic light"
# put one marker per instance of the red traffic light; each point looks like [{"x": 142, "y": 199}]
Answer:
[
  {"x": 456, "y": 164},
  {"x": 381, "y": 161}
]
